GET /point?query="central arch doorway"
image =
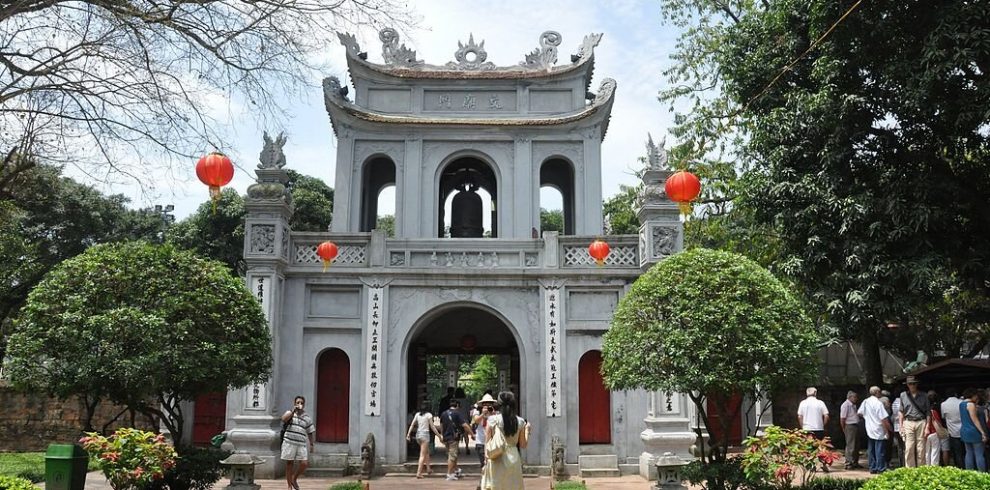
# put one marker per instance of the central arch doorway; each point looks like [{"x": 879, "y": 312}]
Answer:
[{"x": 466, "y": 347}]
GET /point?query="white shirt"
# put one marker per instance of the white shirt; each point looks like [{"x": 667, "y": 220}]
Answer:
[
  {"x": 812, "y": 412},
  {"x": 951, "y": 415},
  {"x": 874, "y": 414},
  {"x": 895, "y": 408},
  {"x": 848, "y": 412}
]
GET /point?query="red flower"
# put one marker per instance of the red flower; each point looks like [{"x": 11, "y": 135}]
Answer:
[
  {"x": 111, "y": 457},
  {"x": 138, "y": 472},
  {"x": 783, "y": 472}
]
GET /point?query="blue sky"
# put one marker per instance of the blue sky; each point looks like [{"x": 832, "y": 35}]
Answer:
[{"x": 634, "y": 51}]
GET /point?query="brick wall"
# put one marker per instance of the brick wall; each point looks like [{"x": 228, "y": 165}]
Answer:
[{"x": 30, "y": 422}]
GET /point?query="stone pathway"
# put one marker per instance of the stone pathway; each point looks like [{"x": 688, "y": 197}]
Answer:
[{"x": 95, "y": 481}]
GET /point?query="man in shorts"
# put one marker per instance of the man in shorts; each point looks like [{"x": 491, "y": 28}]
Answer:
[
  {"x": 297, "y": 441},
  {"x": 452, "y": 424}
]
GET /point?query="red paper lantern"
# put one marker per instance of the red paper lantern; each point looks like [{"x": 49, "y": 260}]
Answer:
[
  {"x": 598, "y": 251},
  {"x": 327, "y": 252},
  {"x": 682, "y": 188},
  {"x": 468, "y": 343},
  {"x": 215, "y": 170}
]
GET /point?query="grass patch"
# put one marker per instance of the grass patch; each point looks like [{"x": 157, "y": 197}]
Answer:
[
  {"x": 347, "y": 485},
  {"x": 570, "y": 485},
  {"x": 30, "y": 466}
]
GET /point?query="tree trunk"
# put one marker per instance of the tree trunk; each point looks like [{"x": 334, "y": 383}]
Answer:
[{"x": 872, "y": 367}]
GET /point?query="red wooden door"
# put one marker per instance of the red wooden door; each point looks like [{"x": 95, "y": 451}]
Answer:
[
  {"x": 733, "y": 406},
  {"x": 333, "y": 396},
  {"x": 209, "y": 417},
  {"x": 594, "y": 401}
]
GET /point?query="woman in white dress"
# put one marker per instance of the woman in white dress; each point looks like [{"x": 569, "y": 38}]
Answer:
[
  {"x": 505, "y": 472},
  {"x": 421, "y": 428}
]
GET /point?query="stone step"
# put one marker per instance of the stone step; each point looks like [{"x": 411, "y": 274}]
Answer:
[
  {"x": 599, "y": 473},
  {"x": 629, "y": 469},
  {"x": 598, "y": 461},
  {"x": 324, "y": 473}
]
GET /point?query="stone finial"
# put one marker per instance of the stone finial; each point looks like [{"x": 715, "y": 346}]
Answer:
[
  {"x": 394, "y": 53},
  {"x": 587, "y": 47},
  {"x": 605, "y": 90},
  {"x": 545, "y": 56},
  {"x": 271, "y": 152},
  {"x": 480, "y": 55},
  {"x": 351, "y": 45},
  {"x": 656, "y": 155}
]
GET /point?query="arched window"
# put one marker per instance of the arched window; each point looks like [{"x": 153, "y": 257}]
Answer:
[
  {"x": 378, "y": 173},
  {"x": 558, "y": 174},
  {"x": 468, "y": 198}
]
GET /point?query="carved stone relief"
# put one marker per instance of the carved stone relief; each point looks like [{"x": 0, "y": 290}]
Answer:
[
  {"x": 664, "y": 241},
  {"x": 395, "y": 54},
  {"x": 471, "y": 56},
  {"x": 545, "y": 56},
  {"x": 263, "y": 239},
  {"x": 363, "y": 149},
  {"x": 572, "y": 150}
]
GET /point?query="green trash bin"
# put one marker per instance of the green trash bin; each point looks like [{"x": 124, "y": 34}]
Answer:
[{"x": 65, "y": 467}]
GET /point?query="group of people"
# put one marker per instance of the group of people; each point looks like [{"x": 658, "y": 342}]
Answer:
[
  {"x": 487, "y": 416},
  {"x": 923, "y": 429}
]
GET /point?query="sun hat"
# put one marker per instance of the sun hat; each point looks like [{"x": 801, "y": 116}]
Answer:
[{"x": 486, "y": 399}]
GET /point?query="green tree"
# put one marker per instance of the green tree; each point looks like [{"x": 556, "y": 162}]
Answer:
[
  {"x": 219, "y": 234},
  {"x": 312, "y": 201},
  {"x": 47, "y": 218},
  {"x": 620, "y": 212},
  {"x": 386, "y": 223},
  {"x": 145, "y": 326},
  {"x": 709, "y": 323},
  {"x": 552, "y": 220},
  {"x": 867, "y": 169}
]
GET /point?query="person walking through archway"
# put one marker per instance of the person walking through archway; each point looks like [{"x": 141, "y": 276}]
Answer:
[
  {"x": 422, "y": 429},
  {"x": 505, "y": 472}
]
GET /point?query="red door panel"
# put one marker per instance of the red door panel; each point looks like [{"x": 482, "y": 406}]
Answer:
[
  {"x": 594, "y": 401},
  {"x": 333, "y": 396},
  {"x": 209, "y": 417},
  {"x": 733, "y": 404}
]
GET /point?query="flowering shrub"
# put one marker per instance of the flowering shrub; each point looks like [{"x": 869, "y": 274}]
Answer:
[
  {"x": 780, "y": 453},
  {"x": 130, "y": 458}
]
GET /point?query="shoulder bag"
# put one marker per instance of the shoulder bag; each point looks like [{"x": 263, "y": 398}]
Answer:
[
  {"x": 285, "y": 427},
  {"x": 495, "y": 446}
]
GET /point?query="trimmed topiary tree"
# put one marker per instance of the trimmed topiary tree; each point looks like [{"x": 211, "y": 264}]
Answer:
[
  {"x": 930, "y": 478},
  {"x": 708, "y": 322},
  {"x": 145, "y": 326}
]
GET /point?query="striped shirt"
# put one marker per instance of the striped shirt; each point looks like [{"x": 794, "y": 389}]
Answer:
[{"x": 299, "y": 429}]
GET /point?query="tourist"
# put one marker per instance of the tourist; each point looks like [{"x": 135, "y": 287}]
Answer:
[
  {"x": 480, "y": 422},
  {"x": 505, "y": 473},
  {"x": 849, "y": 420},
  {"x": 445, "y": 400},
  {"x": 953, "y": 422},
  {"x": 464, "y": 408},
  {"x": 936, "y": 436},
  {"x": 297, "y": 441},
  {"x": 813, "y": 416},
  {"x": 913, "y": 415},
  {"x": 422, "y": 429},
  {"x": 452, "y": 424},
  {"x": 974, "y": 430},
  {"x": 895, "y": 446},
  {"x": 877, "y": 422}
]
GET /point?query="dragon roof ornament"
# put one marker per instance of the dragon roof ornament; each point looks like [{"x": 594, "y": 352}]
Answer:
[
  {"x": 656, "y": 155},
  {"x": 471, "y": 56}
]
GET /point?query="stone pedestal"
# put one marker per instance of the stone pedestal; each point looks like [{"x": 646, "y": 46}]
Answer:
[
  {"x": 256, "y": 437},
  {"x": 667, "y": 432}
]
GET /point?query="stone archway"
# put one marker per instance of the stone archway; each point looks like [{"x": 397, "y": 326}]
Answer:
[{"x": 466, "y": 335}]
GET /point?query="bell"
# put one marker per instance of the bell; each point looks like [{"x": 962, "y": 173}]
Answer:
[{"x": 466, "y": 212}]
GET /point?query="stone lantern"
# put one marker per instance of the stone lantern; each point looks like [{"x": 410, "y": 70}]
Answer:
[
  {"x": 241, "y": 471},
  {"x": 669, "y": 475}
]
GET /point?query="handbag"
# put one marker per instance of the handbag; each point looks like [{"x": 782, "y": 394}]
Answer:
[{"x": 495, "y": 446}]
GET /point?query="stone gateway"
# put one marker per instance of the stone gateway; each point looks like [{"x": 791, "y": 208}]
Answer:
[{"x": 467, "y": 146}]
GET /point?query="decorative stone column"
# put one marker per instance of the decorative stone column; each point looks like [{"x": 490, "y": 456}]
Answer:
[
  {"x": 661, "y": 235},
  {"x": 253, "y": 425}
]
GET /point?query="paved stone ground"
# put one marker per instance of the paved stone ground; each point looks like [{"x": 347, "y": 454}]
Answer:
[{"x": 95, "y": 481}]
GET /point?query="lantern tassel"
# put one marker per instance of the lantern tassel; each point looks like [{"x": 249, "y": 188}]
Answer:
[
  {"x": 214, "y": 197},
  {"x": 600, "y": 262},
  {"x": 326, "y": 263},
  {"x": 685, "y": 208}
]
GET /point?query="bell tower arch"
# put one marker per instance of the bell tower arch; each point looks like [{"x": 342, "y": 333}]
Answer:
[{"x": 468, "y": 199}]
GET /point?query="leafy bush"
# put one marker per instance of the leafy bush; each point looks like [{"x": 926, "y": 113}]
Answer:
[
  {"x": 930, "y": 478},
  {"x": 130, "y": 458},
  {"x": 32, "y": 475},
  {"x": 347, "y": 485},
  {"x": 725, "y": 475},
  {"x": 195, "y": 469},
  {"x": 832, "y": 484},
  {"x": 779, "y": 453},
  {"x": 15, "y": 483},
  {"x": 570, "y": 485}
]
